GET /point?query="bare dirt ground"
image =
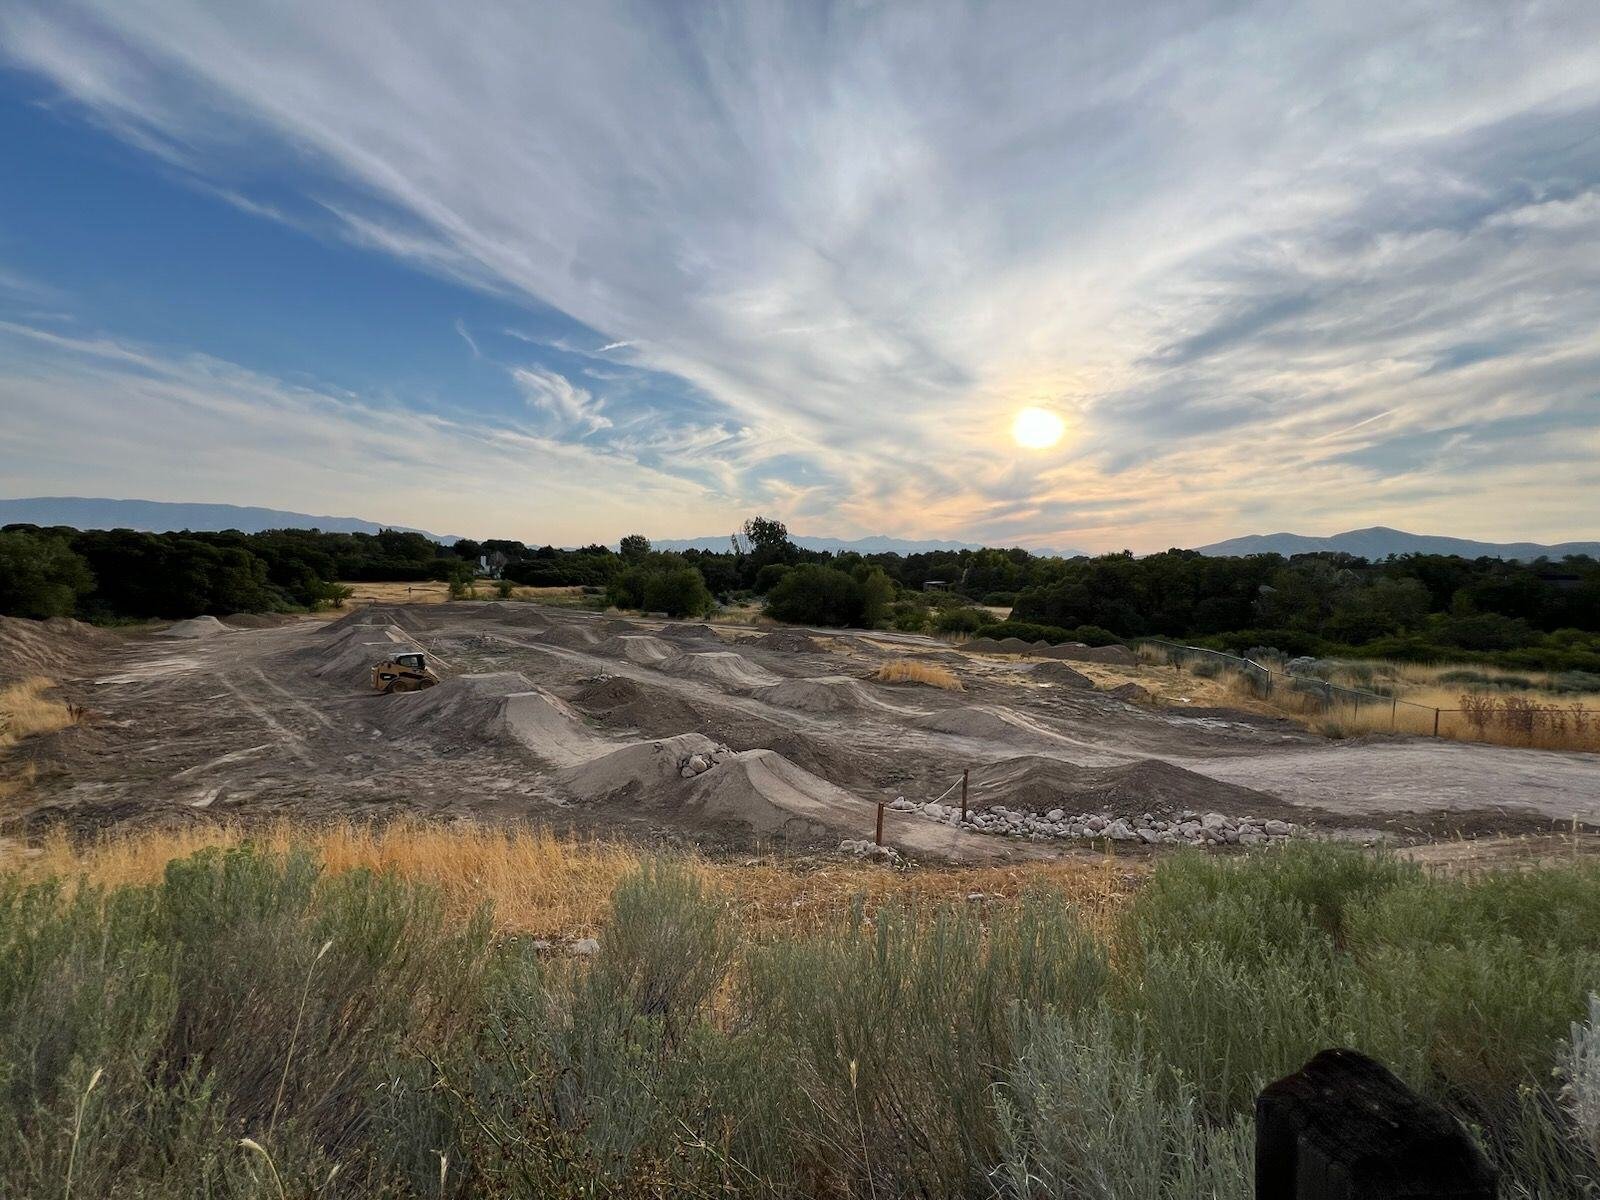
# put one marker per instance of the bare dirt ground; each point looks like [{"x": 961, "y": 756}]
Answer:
[{"x": 727, "y": 737}]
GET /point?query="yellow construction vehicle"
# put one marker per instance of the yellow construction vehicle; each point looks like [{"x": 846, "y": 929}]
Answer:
[{"x": 403, "y": 673}]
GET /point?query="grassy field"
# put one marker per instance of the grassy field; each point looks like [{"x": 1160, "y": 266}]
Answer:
[
  {"x": 343, "y": 1014},
  {"x": 438, "y": 592},
  {"x": 1540, "y": 710}
]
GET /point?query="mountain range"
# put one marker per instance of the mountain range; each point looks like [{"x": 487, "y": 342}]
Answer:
[
  {"x": 158, "y": 516},
  {"x": 1380, "y": 542}
]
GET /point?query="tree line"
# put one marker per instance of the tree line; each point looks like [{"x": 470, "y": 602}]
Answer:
[{"x": 1413, "y": 606}]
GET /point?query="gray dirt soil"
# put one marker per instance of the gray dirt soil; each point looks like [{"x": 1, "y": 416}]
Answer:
[{"x": 575, "y": 715}]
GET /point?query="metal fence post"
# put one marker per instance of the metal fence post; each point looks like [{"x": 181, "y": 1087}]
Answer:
[
  {"x": 965, "y": 771},
  {"x": 877, "y": 837},
  {"x": 1436, "y": 722}
]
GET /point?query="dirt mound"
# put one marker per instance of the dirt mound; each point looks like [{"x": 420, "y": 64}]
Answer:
[
  {"x": 989, "y": 723},
  {"x": 639, "y": 648},
  {"x": 726, "y": 668},
  {"x": 257, "y": 620},
  {"x": 787, "y": 641},
  {"x": 699, "y": 632},
  {"x": 404, "y": 616},
  {"x": 1059, "y": 672},
  {"x": 1149, "y": 785},
  {"x": 763, "y": 792},
  {"x": 627, "y": 704},
  {"x": 463, "y": 707},
  {"x": 637, "y": 770},
  {"x": 825, "y": 694},
  {"x": 353, "y": 657},
  {"x": 574, "y": 637},
  {"x": 195, "y": 627},
  {"x": 520, "y": 612},
  {"x": 1132, "y": 693},
  {"x": 1116, "y": 656},
  {"x": 982, "y": 646},
  {"x": 755, "y": 791},
  {"x": 493, "y": 707},
  {"x": 57, "y": 647},
  {"x": 607, "y": 692}
]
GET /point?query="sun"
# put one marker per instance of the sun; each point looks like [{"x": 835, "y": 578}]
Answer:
[{"x": 1037, "y": 428}]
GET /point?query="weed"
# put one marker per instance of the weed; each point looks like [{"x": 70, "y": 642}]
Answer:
[{"x": 909, "y": 670}]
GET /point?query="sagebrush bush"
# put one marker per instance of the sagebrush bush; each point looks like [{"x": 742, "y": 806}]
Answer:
[{"x": 370, "y": 1044}]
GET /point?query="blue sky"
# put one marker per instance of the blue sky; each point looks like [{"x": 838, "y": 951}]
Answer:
[{"x": 559, "y": 272}]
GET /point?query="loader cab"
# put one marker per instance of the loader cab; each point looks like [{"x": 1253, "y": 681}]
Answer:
[{"x": 417, "y": 662}]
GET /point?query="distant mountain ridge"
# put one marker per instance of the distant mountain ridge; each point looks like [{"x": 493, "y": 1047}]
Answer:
[
  {"x": 1380, "y": 542},
  {"x": 865, "y": 545},
  {"x": 161, "y": 516}
]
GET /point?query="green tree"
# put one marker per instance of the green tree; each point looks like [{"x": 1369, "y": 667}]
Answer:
[
  {"x": 766, "y": 533},
  {"x": 40, "y": 576},
  {"x": 678, "y": 592},
  {"x": 635, "y": 547},
  {"x": 877, "y": 595}
]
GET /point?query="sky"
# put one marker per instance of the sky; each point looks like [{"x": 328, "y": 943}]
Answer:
[{"x": 563, "y": 271}]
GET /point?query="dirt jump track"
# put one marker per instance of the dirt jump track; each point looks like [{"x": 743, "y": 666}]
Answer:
[{"x": 685, "y": 732}]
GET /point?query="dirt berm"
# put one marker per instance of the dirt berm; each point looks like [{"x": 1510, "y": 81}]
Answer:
[
  {"x": 825, "y": 694},
  {"x": 57, "y": 647},
  {"x": 350, "y": 659},
  {"x": 725, "y": 667},
  {"x": 405, "y": 616},
  {"x": 754, "y": 791},
  {"x": 1059, "y": 672},
  {"x": 1039, "y": 784},
  {"x": 986, "y": 722},
  {"x": 493, "y": 707}
]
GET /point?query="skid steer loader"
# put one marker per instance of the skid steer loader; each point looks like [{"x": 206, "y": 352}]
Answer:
[{"x": 403, "y": 673}]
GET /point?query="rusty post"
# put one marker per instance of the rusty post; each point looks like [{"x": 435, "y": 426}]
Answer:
[
  {"x": 1394, "y": 714},
  {"x": 1436, "y": 722},
  {"x": 878, "y": 836},
  {"x": 965, "y": 771}
]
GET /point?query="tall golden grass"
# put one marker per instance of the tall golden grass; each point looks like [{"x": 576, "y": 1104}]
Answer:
[
  {"x": 26, "y": 710},
  {"x": 909, "y": 670},
  {"x": 545, "y": 885}
]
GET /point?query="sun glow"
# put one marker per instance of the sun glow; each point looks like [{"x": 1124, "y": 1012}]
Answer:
[{"x": 1037, "y": 428}]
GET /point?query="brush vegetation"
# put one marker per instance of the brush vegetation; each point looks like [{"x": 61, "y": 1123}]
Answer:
[
  {"x": 257, "y": 1021},
  {"x": 910, "y": 670}
]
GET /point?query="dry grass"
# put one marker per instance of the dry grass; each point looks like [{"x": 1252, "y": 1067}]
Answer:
[
  {"x": 438, "y": 592},
  {"x": 26, "y": 711},
  {"x": 909, "y": 670},
  {"x": 551, "y": 886},
  {"x": 1405, "y": 697}
]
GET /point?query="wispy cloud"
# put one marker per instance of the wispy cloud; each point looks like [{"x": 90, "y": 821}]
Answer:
[
  {"x": 1220, "y": 238},
  {"x": 573, "y": 407},
  {"x": 206, "y": 429},
  {"x": 461, "y": 328}
]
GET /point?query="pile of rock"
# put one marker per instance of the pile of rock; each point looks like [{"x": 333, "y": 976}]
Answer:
[
  {"x": 1185, "y": 828},
  {"x": 699, "y": 764},
  {"x": 866, "y": 848}
]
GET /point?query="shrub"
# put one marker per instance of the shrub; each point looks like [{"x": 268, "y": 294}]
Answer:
[
  {"x": 1090, "y": 635},
  {"x": 909, "y": 670},
  {"x": 960, "y": 620},
  {"x": 678, "y": 592},
  {"x": 770, "y": 576},
  {"x": 999, "y": 599},
  {"x": 816, "y": 595}
]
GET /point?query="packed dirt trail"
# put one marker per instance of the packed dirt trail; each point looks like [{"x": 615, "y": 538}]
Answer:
[{"x": 719, "y": 736}]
